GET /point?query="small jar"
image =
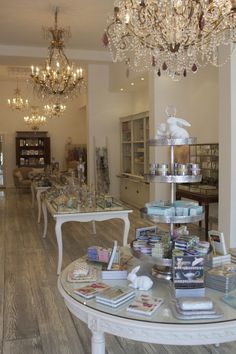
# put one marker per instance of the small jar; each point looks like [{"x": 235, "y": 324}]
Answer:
[
  {"x": 162, "y": 169},
  {"x": 182, "y": 170},
  {"x": 152, "y": 168},
  {"x": 194, "y": 169}
]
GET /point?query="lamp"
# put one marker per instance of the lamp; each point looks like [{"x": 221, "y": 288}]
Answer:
[
  {"x": 54, "y": 110},
  {"x": 171, "y": 36},
  {"x": 17, "y": 103},
  {"x": 58, "y": 77},
  {"x": 35, "y": 120}
]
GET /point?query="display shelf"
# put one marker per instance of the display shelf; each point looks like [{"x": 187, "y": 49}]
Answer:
[
  {"x": 170, "y": 219},
  {"x": 171, "y": 142},
  {"x": 134, "y": 157},
  {"x": 172, "y": 178},
  {"x": 32, "y": 149}
]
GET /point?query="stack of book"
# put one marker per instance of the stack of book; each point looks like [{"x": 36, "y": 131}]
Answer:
[
  {"x": 221, "y": 278},
  {"x": 188, "y": 276},
  {"x": 232, "y": 252},
  {"x": 218, "y": 260},
  {"x": 91, "y": 290},
  {"x": 115, "y": 296},
  {"x": 144, "y": 304}
]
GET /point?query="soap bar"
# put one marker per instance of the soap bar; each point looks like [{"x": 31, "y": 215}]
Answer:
[{"x": 195, "y": 303}]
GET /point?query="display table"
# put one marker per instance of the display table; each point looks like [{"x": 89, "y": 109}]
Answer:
[
  {"x": 203, "y": 199},
  {"x": 83, "y": 215},
  {"x": 160, "y": 328},
  {"x": 37, "y": 190}
]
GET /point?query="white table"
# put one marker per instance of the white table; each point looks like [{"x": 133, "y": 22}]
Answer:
[
  {"x": 37, "y": 190},
  {"x": 84, "y": 215},
  {"x": 160, "y": 328}
]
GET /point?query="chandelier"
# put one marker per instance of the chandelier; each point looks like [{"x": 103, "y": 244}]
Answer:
[
  {"x": 57, "y": 78},
  {"x": 54, "y": 110},
  {"x": 171, "y": 36},
  {"x": 35, "y": 120},
  {"x": 17, "y": 103}
]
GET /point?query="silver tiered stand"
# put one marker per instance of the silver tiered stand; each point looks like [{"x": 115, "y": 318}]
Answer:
[{"x": 173, "y": 179}]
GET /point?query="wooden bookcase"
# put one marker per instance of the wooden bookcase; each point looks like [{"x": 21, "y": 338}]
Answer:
[{"x": 32, "y": 149}]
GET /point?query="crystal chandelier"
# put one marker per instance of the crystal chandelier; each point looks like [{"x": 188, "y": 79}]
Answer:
[
  {"x": 54, "y": 110},
  {"x": 57, "y": 78},
  {"x": 35, "y": 120},
  {"x": 17, "y": 103},
  {"x": 171, "y": 36}
]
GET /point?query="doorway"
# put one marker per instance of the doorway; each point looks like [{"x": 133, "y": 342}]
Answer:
[{"x": 2, "y": 161}]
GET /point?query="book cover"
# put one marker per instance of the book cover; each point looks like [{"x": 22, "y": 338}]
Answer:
[
  {"x": 91, "y": 290},
  {"x": 145, "y": 304},
  {"x": 115, "y": 294},
  {"x": 188, "y": 272}
]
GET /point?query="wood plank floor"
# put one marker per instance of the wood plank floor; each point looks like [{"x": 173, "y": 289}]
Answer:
[{"x": 33, "y": 317}]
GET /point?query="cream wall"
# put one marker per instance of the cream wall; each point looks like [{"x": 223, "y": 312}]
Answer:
[
  {"x": 71, "y": 124},
  {"x": 196, "y": 100},
  {"x": 104, "y": 109}
]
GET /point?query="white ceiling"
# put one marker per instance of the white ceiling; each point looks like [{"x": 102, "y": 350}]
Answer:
[{"x": 22, "y": 41}]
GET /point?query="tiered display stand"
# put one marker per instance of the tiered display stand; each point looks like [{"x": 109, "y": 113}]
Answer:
[{"x": 172, "y": 179}]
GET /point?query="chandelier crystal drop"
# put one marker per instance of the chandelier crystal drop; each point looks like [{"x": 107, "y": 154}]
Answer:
[
  {"x": 35, "y": 120},
  {"x": 54, "y": 110},
  {"x": 58, "y": 78},
  {"x": 17, "y": 103},
  {"x": 170, "y": 36}
]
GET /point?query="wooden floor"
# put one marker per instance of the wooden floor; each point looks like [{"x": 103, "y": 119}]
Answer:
[{"x": 33, "y": 317}]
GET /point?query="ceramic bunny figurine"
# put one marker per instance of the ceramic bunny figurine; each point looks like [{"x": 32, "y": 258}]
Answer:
[
  {"x": 142, "y": 282},
  {"x": 162, "y": 131},
  {"x": 175, "y": 128}
]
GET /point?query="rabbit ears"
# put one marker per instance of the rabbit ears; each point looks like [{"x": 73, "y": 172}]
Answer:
[
  {"x": 178, "y": 121},
  {"x": 135, "y": 270}
]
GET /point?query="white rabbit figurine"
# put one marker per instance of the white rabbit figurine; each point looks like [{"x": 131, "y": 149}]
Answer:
[
  {"x": 162, "y": 131},
  {"x": 175, "y": 128},
  {"x": 142, "y": 282}
]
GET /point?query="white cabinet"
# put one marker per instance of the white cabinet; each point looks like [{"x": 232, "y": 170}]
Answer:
[{"x": 134, "y": 133}]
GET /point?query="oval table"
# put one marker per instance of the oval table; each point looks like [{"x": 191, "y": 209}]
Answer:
[{"x": 160, "y": 328}]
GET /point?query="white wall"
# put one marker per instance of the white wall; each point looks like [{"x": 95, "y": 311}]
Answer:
[
  {"x": 196, "y": 100},
  {"x": 104, "y": 109},
  {"x": 71, "y": 124}
]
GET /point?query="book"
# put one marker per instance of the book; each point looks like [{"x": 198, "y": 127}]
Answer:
[
  {"x": 217, "y": 241},
  {"x": 188, "y": 275},
  {"x": 74, "y": 277},
  {"x": 115, "y": 304},
  {"x": 115, "y": 294},
  {"x": 145, "y": 304},
  {"x": 112, "y": 257},
  {"x": 89, "y": 291}
]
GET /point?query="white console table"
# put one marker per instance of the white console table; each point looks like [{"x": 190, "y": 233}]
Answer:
[
  {"x": 83, "y": 215},
  {"x": 160, "y": 328}
]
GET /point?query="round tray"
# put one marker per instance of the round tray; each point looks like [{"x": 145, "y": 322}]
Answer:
[
  {"x": 173, "y": 178},
  {"x": 167, "y": 141},
  {"x": 171, "y": 219}
]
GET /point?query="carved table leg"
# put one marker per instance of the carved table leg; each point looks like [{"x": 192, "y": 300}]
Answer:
[
  {"x": 94, "y": 227},
  {"x": 45, "y": 219},
  {"x": 38, "y": 196},
  {"x": 98, "y": 343},
  {"x": 126, "y": 229},
  {"x": 59, "y": 244}
]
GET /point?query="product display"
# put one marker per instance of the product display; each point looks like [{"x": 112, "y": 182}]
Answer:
[
  {"x": 89, "y": 291},
  {"x": 115, "y": 296},
  {"x": 221, "y": 278}
]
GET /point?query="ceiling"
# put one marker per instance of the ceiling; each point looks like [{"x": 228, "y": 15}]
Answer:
[{"x": 22, "y": 41}]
